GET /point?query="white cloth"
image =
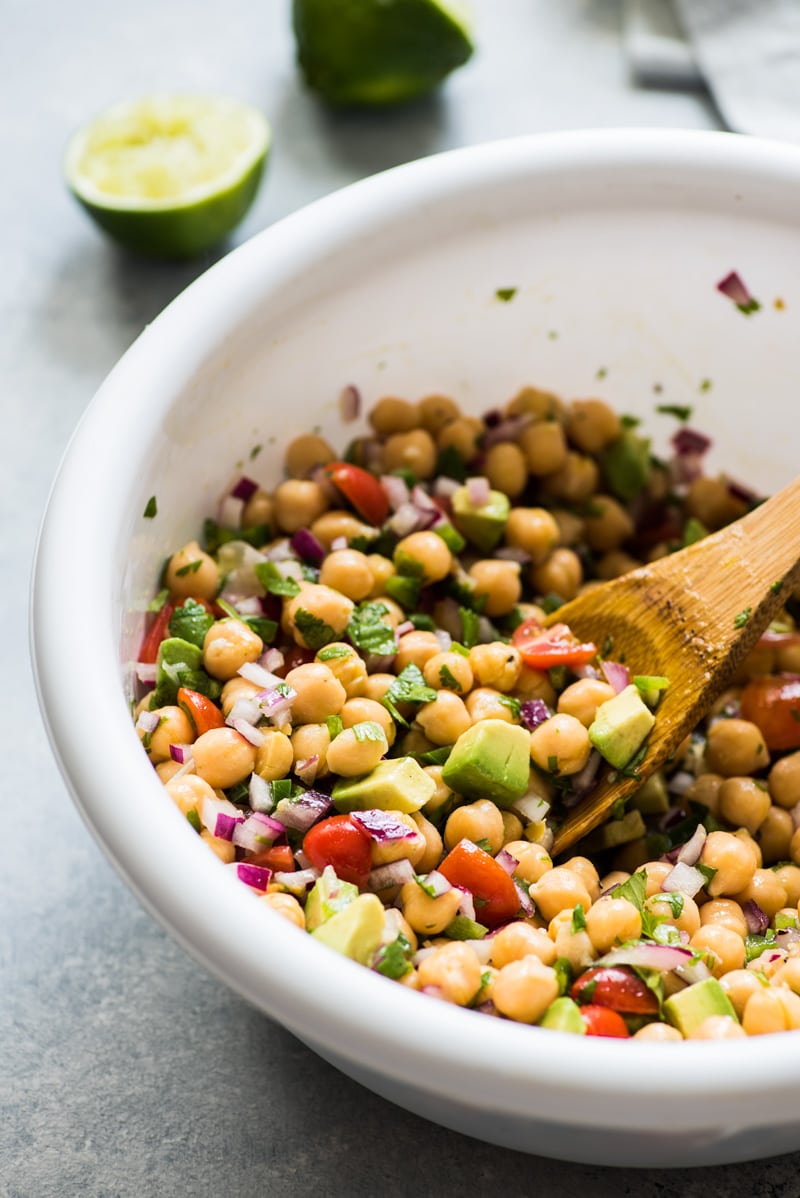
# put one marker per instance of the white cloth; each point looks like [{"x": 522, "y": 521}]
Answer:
[{"x": 747, "y": 52}]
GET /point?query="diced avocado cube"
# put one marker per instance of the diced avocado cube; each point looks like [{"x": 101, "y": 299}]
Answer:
[
  {"x": 564, "y": 1015},
  {"x": 327, "y": 897},
  {"x": 621, "y": 727},
  {"x": 615, "y": 833},
  {"x": 626, "y": 465},
  {"x": 483, "y": 526},
  {"x": 491, "y": 760},
  {"x": 652, "y": 797},
  {"x": 687, "y": 1009},
  {"x": 398, "y": 784},
  {"x": 356, "y": 931},
  {"x": 180, "y": 663}
]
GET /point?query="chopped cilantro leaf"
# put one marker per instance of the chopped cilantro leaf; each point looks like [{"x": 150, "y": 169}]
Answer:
[
  {"x": 776, "y": 586},
  {"x": 513, "y": 705},
  {"x": 742, "y": 617},
  {"x": 194, "y": 819},
  {"x": 255, "y": 451},
  {"x": 484, "y": 844},
  {"x": 274, "y": 582},
  {"x": 262, "y": 626},
  {"x": 679, "y": 411},
  {"x": 331, "y": 652},
  {"x": 601, "y": 373},
  {"x": 191, "y": 622},
  {"x": 578, "y": 919},
  {"x": 423, "y": 622},
  {"x": 151, "y": 508},
  {"x": 705, "y": 384},
  {"x": 628, "y": 421},
  {"x": 634, "y": 889},
  {"x": 334, "y": 725},
  {"x": 551, "y": 603},
  {"x": 408, "y": 687},
  {"x": 394, "y": 959},
  {"x": 563, "y": 972},
  {"x": 707, "y": 871},
  {"x": 189, "y": 568},
  {"x": 470, "y": 626},
  {"x": 447, "y": 679},
  {"x": 552, "y": 764},
  {"x": 314, "y": 631},
  {"x": 368, "y": 730},
  {"x": 155, "y": 605},
  {"x": 407, "y": 565},
  {"x": 436, "y": 756},
  {"x": 505, "y": 294},
  {"x": 368, "y": 632},
  {"x": 214, "y": 535}
]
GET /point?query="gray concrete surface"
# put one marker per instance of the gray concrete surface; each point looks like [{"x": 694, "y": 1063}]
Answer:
[{"x": 124, "y": 1069}]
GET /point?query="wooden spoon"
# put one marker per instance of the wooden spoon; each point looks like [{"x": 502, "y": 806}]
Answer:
[{"x": 691, "y": 616}]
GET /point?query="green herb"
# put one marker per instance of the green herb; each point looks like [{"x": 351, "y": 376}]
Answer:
[
  {"x": 281, "y": 789},
  {"x": 368, "y": 730},
  {"x": 705, "y": 384},
  {"x": 513, "y": 705},
  {"x": 334, "y": 725},
  {"x": 679, "y": 411},
  {"x": 755, "y": 945},
  {"x": 578, "y": 919},
  {"x": 451, "y": 537},
  {"x": 693, "y": 531},
  {"x": 552, "y": 335},
  {"x": 505, "y": 294},
  {"x": 601, "y": 373},
  {"x": 262, "y": 626},
  {"x": 551, "y": 603},
  {"x": 558, "y": 677},
  {"x": 563, "y": 972},
  {"x": 631, "y": 770},
  {"x": 332, "y": 652},
  {"x": 618, "y": 808},
  {"x": 422, "y": 622},
  {"x": 552, "y": 764},
  {"x": 191, "y": 622},
  {"x": 470, "y": 626},
  {"x": 752, "y": 305},
  {"x": 457, "y": 647},
  {"x": 194, "y": 819},
  {"x": 608, "y": 645},
  {"x": 707, "y": 871},
  {"x": 425, "y": 886},
  {"x": 214, "y": 535},
  {"x": 151, "y": 508},
  {"x": 155, "y": 605},
  {"x": 461, "y": 927},
  {"x": 436, "y": 756},
  {"x": 407, "y": 565},
  {"x": 628, "y": 421},
  {"x": 274, "y": 582},
  {"x": 447, "y": 680},
  {"x": 240, "y": 793},
  {"x": 394, "y": 959},
  {"x": 634, "y": 889},
  {"x": 408, "y": 476},
  {"x": 451, "y": 464},
  {"x": 403, "y": 590},
  {"x": 484, "y": 844},
  {"x": 180, "y": 664},
  {"x": 310, "y": 573},
  {"x": 408, "y": 687},
  {"x": 255, "y": 451},
  {"x": 675, "y": 900},
  {"x": 368, "y": 632},
  {"x": 314, "y": 631},
  {"x": 776, "y": 586},
  {"x": 742, "y": 617},
  {"x": 189, "y": 568}
]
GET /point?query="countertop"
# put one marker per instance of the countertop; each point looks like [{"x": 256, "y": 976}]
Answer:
[{"x": 124, "y": 1068}]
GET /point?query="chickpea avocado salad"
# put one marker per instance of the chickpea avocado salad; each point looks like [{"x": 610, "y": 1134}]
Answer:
[{"x": 359, "y": 694}]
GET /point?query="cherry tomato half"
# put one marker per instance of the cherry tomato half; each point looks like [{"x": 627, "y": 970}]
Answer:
[
  {"x": 156, "y": 633},
  {"x": 279, "y": 858},
  {"x": 615, "y": 987},
  {"x": 772, "y": 703},
  {"x": 201, "y": 711},
  {"x": 340, "y": 842},
  {"x": 541, "y": 648},
  {"x": 361, "y": 489},
  {"x": 496, "y": 898},
  {"x": 602, "y": 1021}
]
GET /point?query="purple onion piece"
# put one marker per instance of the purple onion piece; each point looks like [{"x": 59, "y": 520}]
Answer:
[
  {"x": 307, "y": 547},
  {"x": 756, "y": 919},
  {"x": 525, "y": 901},
  {"x": 688, "y": 441},
  {"x": 689, "y": 853},
  {"x": 664, "y": 957},
  {"x": 534, "y": 712},
  {"x": 349, "y": 403},
  {"x": 508, "y": 861},
  {"x": 256, "y": 876},
  {"x": 244, "y": 489},
  {"x": 616, "y": 675},
  {"x": 381, "y": 826},
  {"x": 304, "y": 811},
  {"x": 734, "y": 287},
  {"x": 396, "y": 873}
]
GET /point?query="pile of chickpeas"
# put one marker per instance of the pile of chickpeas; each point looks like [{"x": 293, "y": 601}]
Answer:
[{"x": 571, "y": 533}]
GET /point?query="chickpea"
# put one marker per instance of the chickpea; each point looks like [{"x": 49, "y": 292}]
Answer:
[
  {"x": 485, "y": 703},
  {"x": 429, "y": 916},
  {"x": 575, "y": 946},
  {"x": 561, "y": 574},
  {"x": 559, "y": 888},
  {"x": 359, "y": 711},
  {"x": 298, "y": 503},
  {"x": 259, "y": 509},
  {"x": 190, "y": 571},
  {"x": 764, "y": 1013},
  {"x": 412, "y": 846},
  {"x": 512, "y": 827},
  {"x": 575, "y": 480},
  {"x": 592, "y": 424},
  {"x": 732, "y": 860},
  {"x": 432, "y": 853},
  {"x": 535, "y": 684},
  {"x": 517, "y": 940},
  {"x": 318, "y": 691},
  {"x": 444, "y": 719},
  {"x": 744, "y": 802},
  {"x": 789, "y": 975},
  {"x": 656, "y": 873},
  {"x": 789, "y": 877},
  {"x": 167, "y": 769},
  {"x": 791, "y": 1006},
  {"x": 717, "y": 1027},
  {"x": 533, "y": 861},
  {"x": 533, "y": 530},
  {"x": 584, "y": 868},
  {"x": 500, "y": 582},
  {"x": 478, "y": 821},
  {"x": 393, "y": 615},
  {"x": 345, "y": 665},
  {"x": 607, "y": 525},
  {"x": 784, "y": 781},
  {"x": 765, "y": 889},
  {"x": 321, "y": 602},
  {"x": 725, "y": 912},
  {"x": 332, "y": 525},
  {"x": 497, "y": 665},
  {"x": 544, "y": 446},
  {"x": 441, "y": 796},
  {"x": 788, "y": 659},
  {"x": 614, "y": 564},
  {"x": 189, "y": 792},
  {"x": 615, "y": 878},
  {"x": 506, "y": 468},
  {"x": 382, "y": 569},
  {"x": 391, "y": 415},
  {"x": 560, "y": 745},
  {"x": 581, "y": 699},
  {"x": 174, "y": 728},
  {"x": 307, "y": 741},
  {"x": 222, "y": 757},
  {"x": 688, "y": 920},
  {"x": 725, "y": 946},
  {"x": 454, "y": 970},
  {"x": 286, "y": 906},
  {"x": 348, "y": 571},
  {"x": 428, "y": 553},
  {"x": 705, "y": 790},
  {"x": 524, "y": 989},
  {"x": 415, "y": 742},
  {"x": 449, "y": 671},
  {"x": 416, "y": 648},
  {"x": 736, "y": 748},
  {"x": 612, "y": 920},
  {"x": 357, "y": 750},
  {"x": 435, "y": 411},
  {"x": 305, "y": 452},
  {"x": 225, "y": 850},
  {"x": 751, "y": 845},
  {"x": 462, "y": 435},
  {"x": 710, "y": 501},
  {"x": 376, "y": 687},
  {"x": 274, "y": 756},
  {"x": 544, "y": 405},
  {"x": 228, "y": 645},
  {"x": 657, "y": 1031},
  {"x": 570, "y": 527},
  {"x": 739, "y": 984},
  {"x": 237, "y": 688},
  {"x": 414, "y": 451}
]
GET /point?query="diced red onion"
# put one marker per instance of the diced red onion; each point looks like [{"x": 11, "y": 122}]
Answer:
[
  {"x": 534, "y": 712},
  {"x": 406, "y": 626},
  {"x": 307, "y": 769},
  {"x": 680, "y": 782},
  {"x": 260, "y": 793},
  {"x": 482, "y": 948},
  {"x": 302, "y": 812},
  {"x": 584, "y": 779},
  {"x": 787, "y": 936},
  {"x": 438, "y": 883},
  {"x": 280, "y": 551},
  {"x": 307, "y": 547},
  {"x": 512, "y": 553},
  {"x": 381, "y": 826},
  {"x": 251, "y": 606},
  {"x": 507, "y": 430},
  {"x": 258, "y": 832},
  {"x": 304, "y": 863},
  {"x": 445, "y": 487},
  {"x": 251, "y": 734},
  {"x": 244, "y": 709},
  {"x": 255, "y": 876},
  {"x": 220, "y": 817},
  {"x": 478, "y": 491},
  {"x": 349, "y": 403},
  {"x": 769, "y": 956},
  {"x": 507, "y": 861},
  {"x": 338, "y": 543},
  {"x": 755, "y": 917},
  {"x": 421, "y": 954},
  {"x": 466, "y": 906},
  {"x": 689, "y": 853},
  {"x": 230, "y": 512},
  {"x": 245, "y": 489},
  {"x": 148, "y": 721},
  {"x": 396, "y": 873},
  {"x": 275, "y": 704},
  {"x": 146, "y": 671},
  {"x": 525, "y": 902},
  {"x": 685, "y": 468},
  {"x": 531, "y": 807},
  {"x": 298, "y": 881},
  {"x": 271, "y": 660},
  {"x": 487, "y": 635},
  {"x": 432, "y": 991},
  {"x": 690, "y": 441},
  {"x": 181, "y": 753},
  {"x": 405, "y": 520},
  {"x": 735, "y": 289},
  {"x": 396, "y": 490},
  {"x": 685, "y": 878},
  {"x": 663, "y": 957},
  {"x": 444, "y": 638},
  {"x": 586, "y": 671},
  {"x": 616, "y": 675},
  {"x": 258, "y": 675},
  {"x": 422, "y": 500}
]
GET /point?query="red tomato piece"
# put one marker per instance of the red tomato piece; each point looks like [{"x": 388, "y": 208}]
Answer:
[
  {"x": 541, "y": 648},
  {"x": 279, "y": 858},
  {"x": 602, "y": 1021},
  {"x": 496, "y": 898},
  {"x": 773, "y": 704},
  {"x": 156, "y": 633},
  {"x": 201, "y": 711},
  {"x": 361, "y": 489},
  {"x": 340, "y": 842},
  {"x": 294, "y": 656},
  {"x": 615, "y": 987}
]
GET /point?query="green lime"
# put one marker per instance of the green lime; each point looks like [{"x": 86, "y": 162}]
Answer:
[
  {"x": 170, "y": 175},
  {"x": 377, "y": 52}
]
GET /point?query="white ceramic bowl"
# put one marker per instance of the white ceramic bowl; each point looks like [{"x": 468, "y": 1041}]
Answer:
[{"x": 614, "y": 241}]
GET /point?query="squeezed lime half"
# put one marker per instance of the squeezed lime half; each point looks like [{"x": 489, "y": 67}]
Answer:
[
  {"x": 379, "y": 52},
  {"x": 169, "y": 175}
]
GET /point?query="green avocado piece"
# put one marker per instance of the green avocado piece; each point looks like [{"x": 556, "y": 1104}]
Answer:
[
  {"x": 327, "y": 897},
  {"x": 491, "y": 760},
  {"x": 621, "y": 726},
  {"x": 652, "y": 797},
  {"x": 356, "y": 931},
  {"x": 398, "y": 784},
  {"x": 687, "y": 1009},
  {"x": 180, "y": 663},
  {"x": 626, "y": 465},
  {"x": 483, "y": 526},
  {"x": 615, "y": 833},
  {"x": 564, "y": 1015}
]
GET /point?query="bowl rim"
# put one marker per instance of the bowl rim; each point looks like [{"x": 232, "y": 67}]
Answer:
[{"x": 317, "y": 994}]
